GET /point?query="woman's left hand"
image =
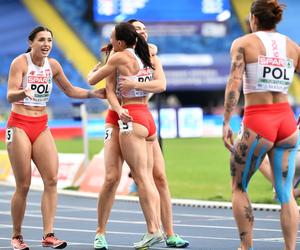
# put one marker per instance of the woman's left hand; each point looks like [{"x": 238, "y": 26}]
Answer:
[{"x": 125, "y": 85}]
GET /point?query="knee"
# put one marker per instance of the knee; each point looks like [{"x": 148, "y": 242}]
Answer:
[
  {"x": 140, "y": 181},
  {"x": 112, "y": 180},
  {"x": 160, "y": 180},
  {"x": 23, "y": 188},
  {"x": 50, "y": 182}
]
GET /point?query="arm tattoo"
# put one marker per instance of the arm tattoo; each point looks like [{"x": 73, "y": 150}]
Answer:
[
  {"x": 60, "y": 85},
  {"x": 238, "y": 65},
  {"x": 235, "y": 80},
  {"x": 230, "y": 102}
]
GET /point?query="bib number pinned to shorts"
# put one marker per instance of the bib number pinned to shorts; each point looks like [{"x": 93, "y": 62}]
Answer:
[
  {"x": 125, "y": 127},
  {"x": 108, "y": 133},
  {"x": 9, "y": 135}
]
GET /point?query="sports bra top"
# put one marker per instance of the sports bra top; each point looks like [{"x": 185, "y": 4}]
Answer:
[
  {"x": 144, "y": 75},
  {"x": 39, "y": 80},
  {"x": 273, "y": 71}
]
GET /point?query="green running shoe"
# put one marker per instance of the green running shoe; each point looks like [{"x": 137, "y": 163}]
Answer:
[
  {"x": 176, "y": 241},
  {"x": 100, "y": 242}
]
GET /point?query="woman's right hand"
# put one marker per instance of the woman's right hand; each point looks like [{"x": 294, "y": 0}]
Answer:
[
  {"x": 92, "y": 72},
  {"x": 124, "y": 115},
  {"x": 228, "y": 137},
  {"x": 96, "y": 67},
  {"x": 28, "y": 92}
]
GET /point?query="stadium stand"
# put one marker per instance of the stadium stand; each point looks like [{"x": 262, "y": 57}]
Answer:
[
  {"x": 198, "y": 44},
  {"x": 78, "y": 14},
  {"x": 289, "y": 26}
]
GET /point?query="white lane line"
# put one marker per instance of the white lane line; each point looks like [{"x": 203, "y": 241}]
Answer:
[
  {"x": 78, "y": 208},
  {"x": 176, "y": 202},
  {"x": 176, "y": 225},
  {"x": 84, "y": 244},
  {"x": 273, "y": 240},
  {"x": 140, "y": 222}
]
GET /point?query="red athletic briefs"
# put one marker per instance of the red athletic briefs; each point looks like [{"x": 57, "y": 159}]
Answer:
[
  {"x": 32, "y": 126},
  {"x": 141, "y": 115},
  {"x": 273, "y": 122},
  {"x": 112, "y": 117}
]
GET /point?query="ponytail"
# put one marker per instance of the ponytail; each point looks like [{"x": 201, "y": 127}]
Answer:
[
  {"x": 142, "y": 50},
  {"x": 127, "y": 33}
]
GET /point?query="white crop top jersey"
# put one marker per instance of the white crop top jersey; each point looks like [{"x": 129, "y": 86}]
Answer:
[
  {"x": 39, "y": 80},
  {"x": 144, "y": 75},
  {"x": 272, "y": 72}
]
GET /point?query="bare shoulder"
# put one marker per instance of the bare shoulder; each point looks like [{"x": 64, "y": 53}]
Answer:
[
  {"x": 19, "y": 65},
  {"x": 292, "y": 43},
  {"x": 53, "y": 62},
  {"x": 118, "y": 57},
  {"x": 237, "y": 44},
  {"x": 55, "y": 65},
  {"x": 244, "y": 43},
  {"x": 19, "y": 61},
  {"x": 293, "y": 49},
  {"x": 152, "y": 49},
  {"x": 243, "y": 40}
]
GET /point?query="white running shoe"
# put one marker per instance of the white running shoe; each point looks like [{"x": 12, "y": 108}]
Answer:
[{"x": 149, "y": 240}]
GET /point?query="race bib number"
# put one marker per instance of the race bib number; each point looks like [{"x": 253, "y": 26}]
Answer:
[
  {"x": 274, "y": 74},
  {"x": 108, "y": 133},
  {"x": 41, "y": 87},
  {"x": 9, "y": 135},
  {"x": 125, "y": 127}
]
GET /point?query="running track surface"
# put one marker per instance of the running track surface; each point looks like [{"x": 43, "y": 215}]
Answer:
[{"x": 205, "y": 226}]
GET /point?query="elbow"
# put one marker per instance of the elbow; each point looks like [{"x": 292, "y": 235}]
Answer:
[
  {"x": 9, "y": 98},
  {"x": 163, "y": 87},
  {"x": 90, "y": 80}
]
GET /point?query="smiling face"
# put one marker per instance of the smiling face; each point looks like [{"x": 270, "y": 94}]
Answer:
[
  {"x": 141, "y": 29},
  {"x": 41, "y": 44}
]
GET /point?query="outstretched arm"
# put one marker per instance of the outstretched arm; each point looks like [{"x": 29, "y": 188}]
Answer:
[
  {"x": 233, "y": 89},
  {"x": 99, "y": 73},
  {"x": 66, "y": 86}
]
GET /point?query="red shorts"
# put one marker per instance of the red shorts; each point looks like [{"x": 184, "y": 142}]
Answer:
[
  {"x": 112, "y": 118},
  {"x": 273, "y": 122},
  {"x": 141, "y": 114},
  {"x": 32, "y": 126}
]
